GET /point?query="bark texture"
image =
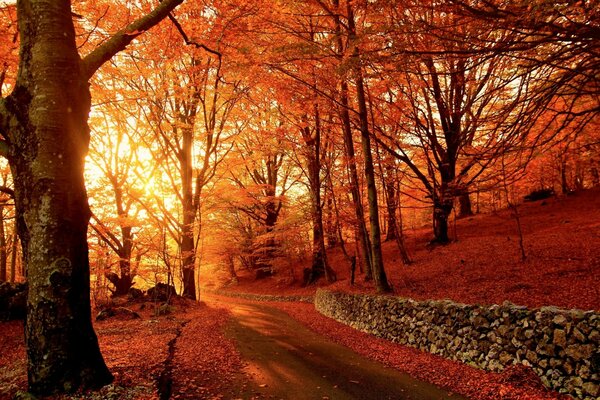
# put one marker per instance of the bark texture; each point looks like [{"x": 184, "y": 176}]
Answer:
[
  {"x": 49, "y": 138},
  {"x": 320, "y": 265},
  {"x": 44, "y": 122},
  {"x": 377, "y": 269}
]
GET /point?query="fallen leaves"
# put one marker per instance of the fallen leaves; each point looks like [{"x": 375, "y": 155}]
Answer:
[
  {"x": 451, "y": 375},
  {"x": 135, "y": 352}
]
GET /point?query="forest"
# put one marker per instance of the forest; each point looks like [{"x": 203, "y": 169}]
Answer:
[{"x": 427, "y": 149}]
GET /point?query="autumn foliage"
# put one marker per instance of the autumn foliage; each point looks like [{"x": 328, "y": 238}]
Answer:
[{"x": 274, "y": 139}]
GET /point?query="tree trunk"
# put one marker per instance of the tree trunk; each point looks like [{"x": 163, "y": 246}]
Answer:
[
  {"x": 124, "y": 281},
  {"x": 13, "y": 255},
  {"x": 391, "y": 200},
  {"x": 188, "y": 248},
  {"x": 49, "y": 139},
  {"x": 330, "y": 225},
  {"x": 363, "y": 234},
  {"x": 595, "y": 176},
  {"x": 231, "y": 268},
  {"x": 465, "y": 206},
  {"x": 564, "y": 185},
  {"x": 264, "y": 261},
  {"x": 379, "y": 275},
  {"x": 441, "y": 212},
  {"x": 3, "y": 253},
  {"x": 320, "y": 266}
]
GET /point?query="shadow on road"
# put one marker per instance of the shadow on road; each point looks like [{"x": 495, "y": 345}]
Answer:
[{"x": 285, "y": 360}]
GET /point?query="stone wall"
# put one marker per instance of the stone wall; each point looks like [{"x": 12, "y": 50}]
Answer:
[
  {"x": 257, "y": 297},
  {"x": 562, "y": 346}
]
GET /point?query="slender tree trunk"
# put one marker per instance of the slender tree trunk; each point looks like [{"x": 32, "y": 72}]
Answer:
[
  {"x": 231, "y": 268},
  {"x": 188, "y": 248},
  {"x": 400, "y": 232},
  {"x": 49, "y": 139},
  {"x": 465, "y": 207},
  {"x": 564, "y": 184},
  {"x": 13, "y": 255},
  {"x": 391, "y": 200},
  {"x": 595, "y": 176},
  {"x": 320, "y": 266},
  {"x": 330, "y": 224},
  {"x": 3, "y": 252},
  {"x": 379, "y": 275},
  {"x": 363, "y": 234},
  {"x": 124, "y": 281}
]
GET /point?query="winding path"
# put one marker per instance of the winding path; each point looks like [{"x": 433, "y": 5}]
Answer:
[{"x": 285, "y": 360}]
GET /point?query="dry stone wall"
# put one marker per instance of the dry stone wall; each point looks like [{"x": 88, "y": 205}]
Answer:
[
  {"x": 562, "y": 346},
  {"x": 259, "y": 297}
]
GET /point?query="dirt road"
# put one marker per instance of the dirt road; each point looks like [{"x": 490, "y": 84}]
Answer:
[{"x": 285, "y": 360}]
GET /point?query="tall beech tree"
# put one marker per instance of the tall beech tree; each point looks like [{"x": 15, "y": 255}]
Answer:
[
  {"x": 45, "y": 136},
  {"x": 362, "y": 232},
  {"x": 377, "y": 268},
  {"x": 312, "y": 136},
  {"x": 463, "y": 110}
]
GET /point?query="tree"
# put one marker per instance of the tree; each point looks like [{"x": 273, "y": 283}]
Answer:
[
  {"x": 562, "y": 35},
  {"x": 312, "y": 135},
  {"x": 115, "y": 154},
  {"x": 264, "y": 175},
  {"x": 344, "y": 110},
  {"x": 463, "y": 110},
  {"x": 378, "y": 271},
  {"x": 45, "y": 138}
]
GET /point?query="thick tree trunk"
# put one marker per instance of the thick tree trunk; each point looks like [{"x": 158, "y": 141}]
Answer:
[
  {"x": 49, "y": 138},
  {"x": 440, "y": 225},
  {"x": 441, "y": 212},
  {"x": 264, "y": 262},
  {"x": 231, "y": 268},
  {"x": 45, "y": 123},
  {"x": 124, "y": 281}
]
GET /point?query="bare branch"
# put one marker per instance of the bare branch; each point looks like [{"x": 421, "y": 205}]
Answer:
[
  {"x": 121, "y": 39},
  {"x": 189, "y": 42},
  {"x": 10, "y": 192}
]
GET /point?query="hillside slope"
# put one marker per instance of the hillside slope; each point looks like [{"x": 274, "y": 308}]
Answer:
[{"x": 562, "y": 243}]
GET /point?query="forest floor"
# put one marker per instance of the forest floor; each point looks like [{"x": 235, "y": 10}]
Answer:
[
  {"x": 228, "y": 348},
  {"x": 482, "y": 264},
  {"x": 194, "y": 352}
]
